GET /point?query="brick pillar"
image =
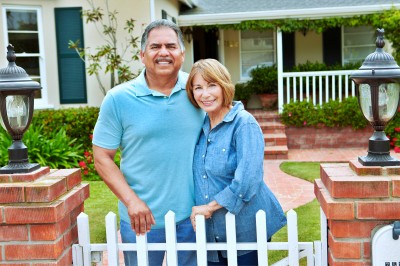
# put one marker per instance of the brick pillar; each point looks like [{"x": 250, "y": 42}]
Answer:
[
  {"x": 38, "y": 214},
  {"x": 356, "y": 199}
]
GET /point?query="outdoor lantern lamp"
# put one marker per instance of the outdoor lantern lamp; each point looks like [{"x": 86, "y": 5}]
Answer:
[
  {"x": 16, "y": 107},
  {"x": 377, "y": 85}
]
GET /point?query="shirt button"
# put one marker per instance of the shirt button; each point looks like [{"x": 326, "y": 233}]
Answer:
[
  {"x": 240, "y": 196},
  {"x": 209, "y": 140},
  {"x": 204, "y": 176},
  {"x": 206, "y": 196},
  {"x": 217, "y": 237},
  {"x": 165, "y": 97},
  {"x": 202, "y": 156},
  {"x": 223, "y": 149}
]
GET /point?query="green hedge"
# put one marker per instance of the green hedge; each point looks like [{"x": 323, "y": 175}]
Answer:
[
  {"x": 77, "y": 122},
  {"x": 336, "y": 114},
  {"x": 330, "y": 114}
]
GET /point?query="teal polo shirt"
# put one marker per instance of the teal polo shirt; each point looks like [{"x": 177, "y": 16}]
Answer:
[{"x": 157, "y": 135}]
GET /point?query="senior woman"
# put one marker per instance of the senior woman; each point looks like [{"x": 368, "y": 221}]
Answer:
[{"x": 228, "y": 164}]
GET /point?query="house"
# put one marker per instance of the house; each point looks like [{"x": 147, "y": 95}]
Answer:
[{"x": 40, "y": 31}]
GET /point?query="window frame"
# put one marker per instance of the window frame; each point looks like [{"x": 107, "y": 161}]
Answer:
[
  {"x": 357, "y": 46},
  {"x": 43, "y": 101},
  {"x": 273, "y": 50}
]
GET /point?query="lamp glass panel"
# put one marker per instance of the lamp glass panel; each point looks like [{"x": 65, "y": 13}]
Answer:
[
  {"x": 365, "y": 101},
  {"x": 17, "y": 107},
  {"x": 388, "y": 100}
]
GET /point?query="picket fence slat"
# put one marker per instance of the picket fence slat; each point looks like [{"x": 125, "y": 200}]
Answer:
[
  {"x": 112, "y": 239},
  {"x": 231, "y": 239},
  {"x": 262, "y": 244},
  {"x": 170, "y": 235},
  {"x": 293, "y": 238},
  {"x": 201, "y": 240},
  {"x": 312, "y": 251},
  {"x": 142, "y": 251},
  {"x": 84, "y": 237}
]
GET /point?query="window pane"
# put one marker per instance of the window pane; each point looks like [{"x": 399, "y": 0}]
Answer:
[
  {"x": 30, "y": 64},
  {"x": 358, "y": 43},
  {"x": 257, "y": 48},
  {"x": 24, "y": 42},
  {"x": 18, "y": 19}
]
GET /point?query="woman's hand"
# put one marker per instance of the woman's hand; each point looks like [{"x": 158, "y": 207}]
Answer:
[{"x": 206, "y": 210}]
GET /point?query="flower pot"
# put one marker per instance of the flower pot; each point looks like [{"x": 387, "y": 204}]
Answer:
[
  {"x": 254, "y": 102},
  {"x": 269, "y": 101}
]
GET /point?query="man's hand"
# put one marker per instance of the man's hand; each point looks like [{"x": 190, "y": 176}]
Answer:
[{"x": 141, "y": 217}]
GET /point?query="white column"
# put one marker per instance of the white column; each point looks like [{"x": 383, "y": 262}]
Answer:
[
  {"x": 152, "y": 11},
  {"x": 279, "y": 64}
]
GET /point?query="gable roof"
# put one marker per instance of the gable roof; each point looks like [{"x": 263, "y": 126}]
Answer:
[{"x": 210, "y": 12}]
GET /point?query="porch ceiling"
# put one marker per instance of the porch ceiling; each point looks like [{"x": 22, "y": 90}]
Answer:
[{"x": 209, "y": 12}]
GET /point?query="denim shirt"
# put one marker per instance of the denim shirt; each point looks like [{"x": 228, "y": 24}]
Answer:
[{"x": 228, "y": 168}]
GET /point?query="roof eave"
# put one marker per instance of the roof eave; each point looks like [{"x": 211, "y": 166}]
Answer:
[{"x": 314, "y": 13}]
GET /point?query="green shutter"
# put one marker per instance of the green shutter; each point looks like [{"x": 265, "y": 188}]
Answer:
[
  {"x": 332, "y": 46},
  {"x": 71, "y": 69}
]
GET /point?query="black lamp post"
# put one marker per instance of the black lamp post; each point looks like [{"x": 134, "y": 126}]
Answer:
[
  {"x": 16, "y": 107},
  {"x": 377, "y": 85}
]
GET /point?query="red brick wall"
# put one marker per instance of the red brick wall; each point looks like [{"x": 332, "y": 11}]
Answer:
[
  {"x": 315, "y": 138},
  {"x": 38, "y": 213},
  {"x": 356, "y": 199}
]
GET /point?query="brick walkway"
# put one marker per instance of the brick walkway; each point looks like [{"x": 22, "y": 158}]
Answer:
[{"x": 293, "y": 192}]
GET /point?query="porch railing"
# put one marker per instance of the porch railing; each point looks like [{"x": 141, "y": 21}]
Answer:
[
  {"x": 85, "y": 253},
  {"x": 318, "y": 87}
]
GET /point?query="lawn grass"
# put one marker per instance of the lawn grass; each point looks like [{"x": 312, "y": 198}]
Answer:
[
  {"x": 308, "y": 215},
  {"x": 97, "y": 206}
]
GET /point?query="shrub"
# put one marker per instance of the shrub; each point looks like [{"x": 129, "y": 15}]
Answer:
[
  {"x": 77, "y": 122},
  {"x": 264, "y": 79},
  {"x": 330, "y": 114},
  {"x": 55, "y": 150}
]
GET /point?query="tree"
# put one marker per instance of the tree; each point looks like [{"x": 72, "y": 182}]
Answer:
[{"x": 108, "y": 58}]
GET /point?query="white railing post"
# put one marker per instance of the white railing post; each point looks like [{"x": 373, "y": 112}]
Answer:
[
  {"x": 201, "y": 241},
  {"x": 170, "y": 237},
  {"x": 293, "y": 238},
  {"x": 231, "y": 239},
  {"x": 142, "y": 250},
  {"x": 262, "y": 244},
  {"x": 112, "y": 238},
  {"x": 84, "y": 238}
]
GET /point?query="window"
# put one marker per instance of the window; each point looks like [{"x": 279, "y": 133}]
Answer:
[
  {"x": 257, "y": 48},
  {"x": 358, "y": 42},
  {"x": 23, "y": 29}
]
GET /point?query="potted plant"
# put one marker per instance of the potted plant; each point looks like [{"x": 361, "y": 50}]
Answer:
[{"x": 264, "y": 83}]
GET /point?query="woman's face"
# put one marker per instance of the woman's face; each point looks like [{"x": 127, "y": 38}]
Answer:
[{"x": 208, "y": 96}]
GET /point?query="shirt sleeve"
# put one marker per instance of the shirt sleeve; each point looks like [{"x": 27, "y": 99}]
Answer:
[
  {"x": 107, "y": 132},
  {"x": 249, "y": 173}
]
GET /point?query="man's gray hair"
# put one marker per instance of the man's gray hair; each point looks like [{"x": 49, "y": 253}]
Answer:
[{"x": 159, "y": 24}]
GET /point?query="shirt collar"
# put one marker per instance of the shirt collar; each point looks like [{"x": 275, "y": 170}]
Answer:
[
  {"x": 237, "y": 107},
  {"x": 143, "y": 90}
]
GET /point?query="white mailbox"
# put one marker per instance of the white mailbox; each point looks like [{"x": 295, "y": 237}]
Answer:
[{"x": 386, "y": 246}]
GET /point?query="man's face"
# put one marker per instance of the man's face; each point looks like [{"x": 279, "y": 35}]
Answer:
[{"x": 163, "y": 56}]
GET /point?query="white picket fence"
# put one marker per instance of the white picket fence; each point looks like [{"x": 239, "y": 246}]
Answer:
[{"x": 85, "y": 253}]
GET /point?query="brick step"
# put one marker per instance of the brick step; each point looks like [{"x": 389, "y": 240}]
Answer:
[
  {"x": 272, "y": 127},
  {"x": 265, "y": 116},
  {"x": 275, "y": 139},
  {"x": 276, "y": 152}
]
